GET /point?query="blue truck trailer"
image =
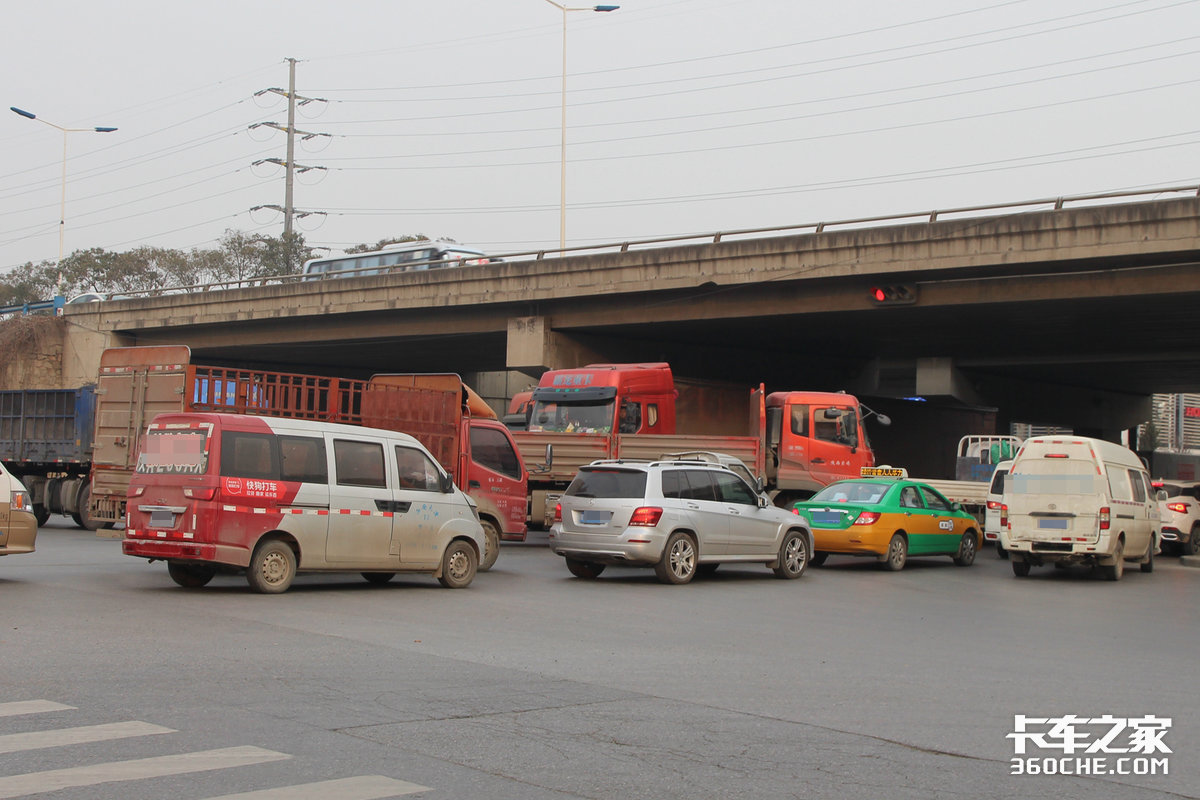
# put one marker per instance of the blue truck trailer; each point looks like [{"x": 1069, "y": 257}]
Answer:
[{"x": 46, "y": 441}]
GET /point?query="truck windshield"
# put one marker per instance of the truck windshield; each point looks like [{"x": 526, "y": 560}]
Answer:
[
  {"x": 572, "y": 417},
  {"x": 174, "y": 452}
]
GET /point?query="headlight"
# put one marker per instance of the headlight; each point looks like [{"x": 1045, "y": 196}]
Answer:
[{"x": 21, "y": 502}]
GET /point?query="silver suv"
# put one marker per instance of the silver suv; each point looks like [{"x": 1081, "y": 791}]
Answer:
[
  {"x": 1180, "y": 514},
  {"x": 680, "y": 516}
]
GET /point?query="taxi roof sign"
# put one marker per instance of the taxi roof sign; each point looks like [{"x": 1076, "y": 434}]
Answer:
[{"x": 883, "y": 472}]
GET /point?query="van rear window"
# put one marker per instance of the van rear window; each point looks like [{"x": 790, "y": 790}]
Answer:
[
  {"x": 608, "y": 483},
  {"x": 174, "y": 452}
]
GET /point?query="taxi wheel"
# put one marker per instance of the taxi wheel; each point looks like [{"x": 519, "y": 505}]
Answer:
[
  {"x": 818, "y": 559},
  {"x": 1114, "y": 571},
  {"x": 966, "y": 550},
  {"x": 584, "y": 569},
  {"x": 458, "y": 565},
  {"x": 897, "y": 553},
  {"x": 793, "y": 556},
  {"x": 272, "y": 568},
  {"x": 491, "y": 545},
  {"x": 190, "y": 576},
  {"x": 678, "y": 562}
]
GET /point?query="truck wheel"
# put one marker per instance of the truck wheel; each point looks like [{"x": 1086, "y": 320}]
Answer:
[
  {"x": 965, "y": 556},
  {"x": 491, "y": 546},
  {"x": 458, "y": 565},
  {"x": 272, "y": 567},
  {"x": 190, "y": 576},
  {"x": 678, "y": 562},
  {"x": 1117, "y": 569},
  {"x": 1020, "y": 568},
  {"x": 793, "y": 556},
  {"x": 40, "y": 514},
  {"x": 897, "y": 553},
  {"x": 83, "y": 517},
  {"x": 584, "y": 569}
]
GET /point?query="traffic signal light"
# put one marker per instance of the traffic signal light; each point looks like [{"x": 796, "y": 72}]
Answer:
[{"x": 893, "y": 294}]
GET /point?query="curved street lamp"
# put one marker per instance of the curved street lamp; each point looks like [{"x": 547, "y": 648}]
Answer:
[
  {"x": 62, "y": 213},
  {"x": 562, "y": 203}
]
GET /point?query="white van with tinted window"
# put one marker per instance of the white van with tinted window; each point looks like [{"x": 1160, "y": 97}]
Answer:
[{"x": 1075, "y": 500}]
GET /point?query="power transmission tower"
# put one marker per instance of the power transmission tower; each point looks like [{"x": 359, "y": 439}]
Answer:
[{"x": 289, "y": 163}]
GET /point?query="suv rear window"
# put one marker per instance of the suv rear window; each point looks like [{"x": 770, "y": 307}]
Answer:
[{"x": 608, "y": 483}]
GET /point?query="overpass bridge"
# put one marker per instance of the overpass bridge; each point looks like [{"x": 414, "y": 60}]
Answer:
[{"x": 1069, "y": 311}]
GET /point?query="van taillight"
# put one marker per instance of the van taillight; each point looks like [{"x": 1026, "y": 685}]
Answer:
[
  {"x": 646, "y": 516},
  {"x": 993, "y": 505},
  {"x": 199, "y": 493},
  {"x": 557, "y": 512},
  {"x": 1003, "y": 516},
  {"x": 1104, "y": 518}
]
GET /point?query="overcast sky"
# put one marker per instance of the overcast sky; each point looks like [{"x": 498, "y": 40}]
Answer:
[{"x": 443, "y": 116}]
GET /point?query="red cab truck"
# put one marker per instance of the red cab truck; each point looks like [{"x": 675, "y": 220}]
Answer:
[
  {"x": 136, "y": 384},
  {"x": 796, "y": 442}
]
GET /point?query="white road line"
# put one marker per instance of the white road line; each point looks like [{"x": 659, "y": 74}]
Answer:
[
  {"x": 364, "y": 787},
  {"x": 17, "y": 742},
  {"x": 31, "y": 707},
  {"x": 138, "y": 769}
]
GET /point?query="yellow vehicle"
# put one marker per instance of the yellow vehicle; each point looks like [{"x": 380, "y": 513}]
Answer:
[
  {"x": 888, "y": 517},
  {"x": 18, "y": 525}
]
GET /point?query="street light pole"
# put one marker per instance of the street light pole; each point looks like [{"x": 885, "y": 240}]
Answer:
[
  {"x": 562, "y": 201},
  {"x": 62, "y": 210}
]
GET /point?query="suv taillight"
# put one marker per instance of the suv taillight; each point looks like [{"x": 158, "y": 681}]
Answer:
[
  {"x": 1178, "y": 508},
  {"x": 1003, "y": 516},
  {"x": 557, "y": 512},
  {"x": 993, "y": 505},
  {"x": 646, "y": 516},
  {"x": 1104, "y": 518}
]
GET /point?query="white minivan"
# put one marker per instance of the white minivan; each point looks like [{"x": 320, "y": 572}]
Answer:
[{"x": 1076, "y": 500}]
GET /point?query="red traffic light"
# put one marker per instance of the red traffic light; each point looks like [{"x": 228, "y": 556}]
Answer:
[{"x": 893, "y": 294}]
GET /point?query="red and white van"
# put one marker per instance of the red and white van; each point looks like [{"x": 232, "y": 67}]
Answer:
[{"x": 273, "y": 497}]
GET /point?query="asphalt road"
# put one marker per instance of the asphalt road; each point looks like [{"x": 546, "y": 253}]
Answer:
[{"x": 848, "y": 683}]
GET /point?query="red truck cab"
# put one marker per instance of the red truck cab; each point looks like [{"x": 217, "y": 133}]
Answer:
[
  {"x": 605, "y": 398},
  {"x": 815, "y": 438}
]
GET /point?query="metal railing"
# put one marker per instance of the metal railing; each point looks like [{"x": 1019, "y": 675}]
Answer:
[{"x": 713, "y": 237}]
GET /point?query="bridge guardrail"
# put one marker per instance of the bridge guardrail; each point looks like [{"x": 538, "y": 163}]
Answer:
[{"x": 714, "y": 237}]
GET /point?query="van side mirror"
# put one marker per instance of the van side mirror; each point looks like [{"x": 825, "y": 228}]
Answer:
[{"x": 445, "y": 483}]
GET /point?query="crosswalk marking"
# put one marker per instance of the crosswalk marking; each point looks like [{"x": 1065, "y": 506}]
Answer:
[
  {"x": 18, "y": 707},
  {"x": 17, "y": 742},
  {"x": 138, "y": 769},
  {"x": 363, "y": 787}
]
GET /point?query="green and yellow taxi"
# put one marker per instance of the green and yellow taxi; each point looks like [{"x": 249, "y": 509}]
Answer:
[{"x": 886, "y": 516}]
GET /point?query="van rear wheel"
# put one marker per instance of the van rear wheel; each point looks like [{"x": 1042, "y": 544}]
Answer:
[
  {"x": 1020, "y": 568},
  {"x": 1114, "y": 571},
  {"x": 272, "y": 568},
  {"x": 1147, "y": 564}
]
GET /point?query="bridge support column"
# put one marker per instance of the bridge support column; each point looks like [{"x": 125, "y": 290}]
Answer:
[{"x": 534, "y": 347}]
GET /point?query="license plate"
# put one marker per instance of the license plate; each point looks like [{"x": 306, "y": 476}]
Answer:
[
  {"x": 162, "y": 519},
  {"x": 595, "y": 517},
  {"x": 827, "y": 517},
  {"x": 1053, "y": 524}
]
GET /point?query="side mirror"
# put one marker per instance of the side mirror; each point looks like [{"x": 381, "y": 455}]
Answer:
[
  {"x": 549, "y": 456},
  {"x": 760, "y": 484},
  {"x": 1161, "y": 494},
  {"x": 883, "y": 419},
  {"x": 763, "y": 502},
  {"x": 445, "y": 483}
]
